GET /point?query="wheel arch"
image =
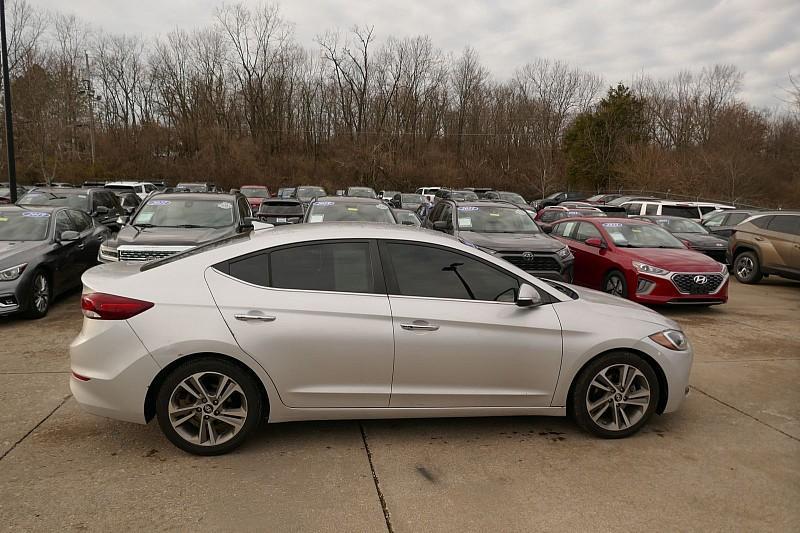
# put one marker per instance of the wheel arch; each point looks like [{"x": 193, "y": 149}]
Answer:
[
  {"x": 746, "y": 247},
  {"x": 663, "y": 386},
  {"x": 155, "y": 385}
]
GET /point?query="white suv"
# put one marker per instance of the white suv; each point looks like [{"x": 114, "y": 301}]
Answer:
[
  {"x": 663, "y": 207},
  {"x": 428, "y": 192},
  {"x": 141, "y": 188}
]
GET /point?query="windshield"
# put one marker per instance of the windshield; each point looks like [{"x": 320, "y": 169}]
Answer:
[
  {"x": 306, "y": 194},
  {"x": 680, "y": 225},
  {"x": 361, "y": 192},
  {"x": 464, "y": 196},
  {"x": 74, "y": 201},
  {"x": 406, "y": 217},
  {"x": 193, "y": 187},
  {"x": 254, "y": 192},
  {"x": 412, "y": 198},
  {"x": 640, "y": 236},
  {"x": 512, "y": 197},
  {"x": 344, "y": 211},
  {"x": 24, "y": 225},
  {"x": 180, "y": 213},
  {"x": 491, "y": 219}
]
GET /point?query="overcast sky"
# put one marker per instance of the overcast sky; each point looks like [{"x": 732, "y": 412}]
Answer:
[{"x": 615, "y": 38}]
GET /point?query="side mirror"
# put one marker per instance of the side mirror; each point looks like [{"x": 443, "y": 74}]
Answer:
[
  {"x": 442, "y": 225},
  {"x": 547, "y": 228},
  {"x": 69, "y": 236},
  {"x": 122, "y": 220},
  {"x": 247, "y": 224},
  {"x": 407, "y": 223},
  {"x": 528, "y": 296},
  {"x": 596, "y": 243},
  {"x": 101, "y": 210}
]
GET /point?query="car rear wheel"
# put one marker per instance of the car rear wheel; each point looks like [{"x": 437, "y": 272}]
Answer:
[
  {"x": 615, "y": 395},
  {"x": 614, "y": 283},
  {"x": 40, "y": 295},
  {"x": 208, "y": 406},
  {"x": 746, "y": 268}
]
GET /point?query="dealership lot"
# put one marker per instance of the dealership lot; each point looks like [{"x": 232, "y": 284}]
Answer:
[{"x": 729, "y": 459}]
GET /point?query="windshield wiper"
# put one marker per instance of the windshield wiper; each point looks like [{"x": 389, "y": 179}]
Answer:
[
  {"x": 144, "y": 225},
  {"x": 189, "y": 226}
]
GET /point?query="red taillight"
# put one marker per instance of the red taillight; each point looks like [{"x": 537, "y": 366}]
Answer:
[
  {"x": 100, "y": 306},
  {"x": 79, "y": 377}
]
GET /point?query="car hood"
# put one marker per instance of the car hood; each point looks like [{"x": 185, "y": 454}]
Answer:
[
  {"x": 130, "y": 235},
  {"x": 12, "y": 253},
  {"x": 674, "y": 260},
  {"x": 701, "y": 240},
  {"x": 621, "y": 308},
  {"x": 501, "y": 242}
]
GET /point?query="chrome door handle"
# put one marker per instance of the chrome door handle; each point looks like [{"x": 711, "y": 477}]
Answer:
[
  {"x": 261, "y": 318},
  {"x": 420, "y": 327}
]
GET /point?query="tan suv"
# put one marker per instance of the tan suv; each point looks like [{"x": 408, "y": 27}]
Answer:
[{"x": 764, "y": 244}]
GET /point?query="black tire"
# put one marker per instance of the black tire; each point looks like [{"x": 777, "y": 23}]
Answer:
[
  {"x": 249, "y": 396},
  {"x": 614, "y": 283},
  {"x": 37, "y": 304},
  {"x": 582, "y": 396},
  {"x": 747, "y": 268}
]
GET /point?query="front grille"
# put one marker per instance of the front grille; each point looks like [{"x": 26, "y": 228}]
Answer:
[
  {"x": 538, "y": 263},
  {"x": 686, "y": 283},
  {"x": 145, "y": 254}
]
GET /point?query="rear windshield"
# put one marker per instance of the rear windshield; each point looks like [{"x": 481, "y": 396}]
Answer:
[
  {"x": 24, "y": 225},
  {"x": 412, "y": 198},
  {"x": 512, "y": 197},
  {"x": 344, "y": 211},
  {"x": 254, "y": 192}
]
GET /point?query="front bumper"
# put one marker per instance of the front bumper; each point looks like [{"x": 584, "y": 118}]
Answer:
[
  {"x": 676, "y": 367},
  {"x": 14, "y": 294},
  {"x": 118, "y": 367},
  {"x": 661, "y": 290}
]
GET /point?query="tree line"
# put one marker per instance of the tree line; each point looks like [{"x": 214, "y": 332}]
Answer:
[{"x": 241, "y": 101}]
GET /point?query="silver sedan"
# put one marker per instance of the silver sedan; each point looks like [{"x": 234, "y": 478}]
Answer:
[{"x": 355, "y": 321}]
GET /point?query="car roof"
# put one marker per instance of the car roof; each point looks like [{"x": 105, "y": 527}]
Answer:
[
  {"x": 127, "y": 183},
  {"x": 482, "y": 203},
  {"x": 662, "y": 217},
  {"x": 253, "y": 186},
  {"x": 67, "y": 190},
  {"x": 6, "y": 208},
  {"x": 350, "y": 199}
]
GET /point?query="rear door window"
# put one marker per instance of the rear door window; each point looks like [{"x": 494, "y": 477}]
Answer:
[
  {"x": 587, "y": 231},
  {"x": 735, "y": 218},
  {"x": 634, "y": 208},
  {"x": 679, "y": 211},
  {"x": 339, "y": 267},
  {"x": 651, "y": 209},
  {"x": 785, "y": 224}
]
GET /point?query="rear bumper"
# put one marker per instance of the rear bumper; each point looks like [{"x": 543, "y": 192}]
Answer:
[{"x": 118, "y": 367}]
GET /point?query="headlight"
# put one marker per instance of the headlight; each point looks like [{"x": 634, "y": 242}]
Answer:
[
  {"x": 564, "y": 253},
  {"x": 644, "y": 268},
  {"x": 10, "y": 274},
  {"x": 108, "y": 253},
  {"x": 724, "y": 269},
  {"x": 672, "y": 339}
]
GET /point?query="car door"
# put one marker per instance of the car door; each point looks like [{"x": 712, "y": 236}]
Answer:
[
  {"x": 317, "y": 318},
  {"x": 69, "y": 254},
  {"x": 460, "y": 341},
  {"x": 782, "y": 232},
  {"x": 90, "y": 237}
]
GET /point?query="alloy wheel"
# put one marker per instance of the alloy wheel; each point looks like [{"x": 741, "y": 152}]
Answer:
[
  {"x": 207, "y": 408},
  {"x": 41, "y": 293},
  {"x": 614, "y": 286},
  {"x": 618, "y": 397},
  {"x": 744, "y": 267}
]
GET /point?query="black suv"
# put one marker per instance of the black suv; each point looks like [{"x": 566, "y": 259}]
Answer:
[
  {"x": 556, "y": 198},
  {"x": 168, "y": 223},
  {"x": 506, "y": 230},
  {"x": 99, "y": 203}
]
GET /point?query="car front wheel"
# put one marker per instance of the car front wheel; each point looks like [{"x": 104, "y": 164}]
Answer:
[
  {"x": 746, "y": 268},
  {"x": 39, "y": 295},
  {"x": 208, "y": 406},
  {"x": 615, "y": 395},
  {"x": 614, "y": 283}
]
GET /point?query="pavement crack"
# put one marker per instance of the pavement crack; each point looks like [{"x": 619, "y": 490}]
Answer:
[
  {"x": 34, "y": 428},
  {"x": 377, "y": 482},
  {"x": 748, "y": 415}
]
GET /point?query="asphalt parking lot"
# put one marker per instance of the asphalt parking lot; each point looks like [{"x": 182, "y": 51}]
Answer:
[{"x": 728, "y": 460}]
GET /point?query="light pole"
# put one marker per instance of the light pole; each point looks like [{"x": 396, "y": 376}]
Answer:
[{"x": 12, "y": 167}]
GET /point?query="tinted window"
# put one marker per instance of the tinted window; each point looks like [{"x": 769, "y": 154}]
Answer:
[
  {"x": 762, "y": 222},
  {"x": 633, "y": 209},
  {"x": 586, "y": 231},
  {"x": 678, "y": 211},
  {"x": 734, "y": 219},
  {"x": 716, "y": 219},
  {"x": 81, "y": 220},
  {"x": 63, "y": 223},
  {"x": 706, "y": 209},
  {"x": 437, "y": 273},
  {"x": 343, "y": 266},
  {"x": 551, "y": 215},
  {"x": 253, "y": 269},
  {"x": 565, "y": 229},
  {"x": 785, "y": 224},
  {"x": 651, "y": 209},
  {"x": 447, "y": 214}
]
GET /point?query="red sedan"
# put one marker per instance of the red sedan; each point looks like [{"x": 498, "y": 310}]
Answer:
[
  {"x": 255, "y": 195},
  {"x": 641, "y": 261}
]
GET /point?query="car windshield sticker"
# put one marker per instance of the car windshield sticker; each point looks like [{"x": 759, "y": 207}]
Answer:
[
  {"x": 35, "y": 214},
  {"x": 468, "y": 208},
  {"x": 574, "y": 213},
  {"x": 224, "y": 205},
  {"x": 612, "y": 224},
  {"x": 3, "y": 219},
  {"x": 494, "y": 214},
  {"x": 159, "y": 202},
  {"x": 324, "y": 204},
  {"x": 316, "y": 218},
  {"x": 382, "y": 206},
  {"x": 353, "y": 209},
  {"x": 464, "y": 222}
]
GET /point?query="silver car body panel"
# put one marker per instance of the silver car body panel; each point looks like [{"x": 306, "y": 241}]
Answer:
[{"x": 331, "y": 355}]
